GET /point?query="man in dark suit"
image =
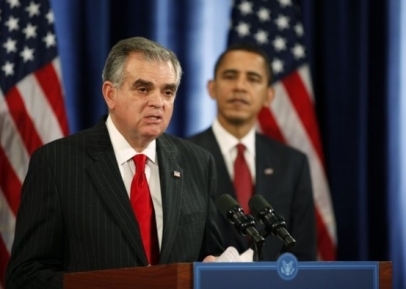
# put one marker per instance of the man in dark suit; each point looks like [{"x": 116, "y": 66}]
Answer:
[
  {"x": 76, "y": 209},
  {"x": 241, "y": 87}
]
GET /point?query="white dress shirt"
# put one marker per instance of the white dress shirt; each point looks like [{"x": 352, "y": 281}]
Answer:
[
  {"x": 124, "y": 154},
  {"x": 228, "y": 143}
]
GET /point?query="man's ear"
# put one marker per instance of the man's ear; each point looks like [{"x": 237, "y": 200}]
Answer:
[
  {"x": 210, "y": 88},
  {"x": 109, "y": 94},
  {"x": 270, "y": 96}
]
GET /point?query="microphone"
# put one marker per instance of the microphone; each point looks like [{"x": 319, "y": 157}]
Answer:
[
  {"x": 232, "y": 211},
  {"x": 274, "y": 224}
]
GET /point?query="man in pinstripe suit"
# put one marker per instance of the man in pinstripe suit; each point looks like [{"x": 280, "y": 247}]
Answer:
[
  {"x": 75, "y": 213},
  {"x": 241, "y": 87}
]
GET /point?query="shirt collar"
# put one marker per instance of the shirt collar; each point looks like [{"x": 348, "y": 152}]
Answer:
[
  {"x": 227, "y": 141},
  {"x": 123, "y": 149}
]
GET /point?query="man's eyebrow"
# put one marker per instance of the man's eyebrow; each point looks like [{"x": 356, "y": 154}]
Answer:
[
  {"x": 142, "y": 82},
  {"x": 253, "y": 73},
  {"x": 171, "y": 86},
  {"x": 229, "y": 71}
]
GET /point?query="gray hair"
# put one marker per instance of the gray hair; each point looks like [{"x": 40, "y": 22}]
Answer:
[{"x": 152, "y": 51}]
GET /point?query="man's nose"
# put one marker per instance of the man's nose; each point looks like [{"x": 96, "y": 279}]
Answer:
[
  {"x": 156, "y": 99},
  {"x": 241, "y": 83}
]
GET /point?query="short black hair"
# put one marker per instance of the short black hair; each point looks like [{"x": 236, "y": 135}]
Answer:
[{"x": 249, "y": 47}]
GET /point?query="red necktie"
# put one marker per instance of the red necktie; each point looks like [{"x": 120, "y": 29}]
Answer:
[
  {"x": 242, "y": 179},
  {"x": 144, "y": 210}
]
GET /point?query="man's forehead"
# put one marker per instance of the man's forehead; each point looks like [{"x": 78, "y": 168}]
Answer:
[
  {"x": 241, "y": 69},
  {"x": 240, "y": 56},
  {"x": 150, "y": 70},
  {"x": 238, "y": 59}
]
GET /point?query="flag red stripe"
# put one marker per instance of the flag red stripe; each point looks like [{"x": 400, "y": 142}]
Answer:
[
  {"x": 23, "y": 122},
  {"x": 9, "y": 182},
  {"x": 304, "y": 108},
  {"x": 34, "y": 113},
  {"x": 5, "y": 256},
  {"x": 50, "y": 84},
  {"x": 269, "y": 126},
  {"x": 326, "y": 247}
]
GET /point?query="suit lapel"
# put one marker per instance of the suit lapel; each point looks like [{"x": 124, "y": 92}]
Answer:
[
  {"x": 265, "y": 166},
  {"x": 107, "y": 178},
  {"x": 171, "y": 178}
]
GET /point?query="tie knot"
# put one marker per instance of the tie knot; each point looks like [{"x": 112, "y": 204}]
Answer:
[
  {"x": 139, "y": 161},
  {"x": 240, "y": 148}
]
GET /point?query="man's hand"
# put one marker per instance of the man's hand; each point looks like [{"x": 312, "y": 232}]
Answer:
[{"x": 210, "y": 258}]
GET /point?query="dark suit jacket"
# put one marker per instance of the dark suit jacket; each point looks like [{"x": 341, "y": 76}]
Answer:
[
  {"x": 75, "y": 213},
  {"x": 287, "y": 187}
]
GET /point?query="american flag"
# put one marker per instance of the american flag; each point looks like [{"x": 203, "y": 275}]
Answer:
[
  {"x": 32, "y": 110},
  {"x": 276, "y": 26}
]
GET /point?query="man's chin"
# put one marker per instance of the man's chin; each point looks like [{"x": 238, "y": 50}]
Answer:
[
  {"x": 152, "y": 133},
  {"x": 236, "y": 120}
]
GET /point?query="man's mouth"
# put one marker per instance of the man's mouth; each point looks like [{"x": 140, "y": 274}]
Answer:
[{"x": 238, "y": 101}]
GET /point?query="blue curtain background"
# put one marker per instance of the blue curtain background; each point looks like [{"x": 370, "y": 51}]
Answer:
[
  {"x": 396, "y": 109},
  {"x": 358, "y": 60}
]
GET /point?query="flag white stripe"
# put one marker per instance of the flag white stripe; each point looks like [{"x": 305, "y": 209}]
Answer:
[
  {"x": 56, "y": 63},
  {"x": 286, "y": 117},
  {"x": 7, "y": 222},
  {"x": 305, "y": 75},
  {"x": 11, "y": 141},
  {"x": 39, "y": 109}
]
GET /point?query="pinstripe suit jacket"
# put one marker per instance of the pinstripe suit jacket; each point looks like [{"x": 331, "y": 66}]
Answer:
[
  {"x": 75, "y": 214},
  {"x": 282, "y": 177}
]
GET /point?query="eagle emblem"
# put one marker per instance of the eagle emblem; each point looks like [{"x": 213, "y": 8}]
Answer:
[{"x": 287, "y": 268}]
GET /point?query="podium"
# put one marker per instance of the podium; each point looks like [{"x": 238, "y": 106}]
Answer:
[{"x": 173, "y": 276}]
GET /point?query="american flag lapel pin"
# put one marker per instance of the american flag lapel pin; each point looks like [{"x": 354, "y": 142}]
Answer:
[
  {"x": 268, "y": 171},
  {"x": 176, "y": 174}
]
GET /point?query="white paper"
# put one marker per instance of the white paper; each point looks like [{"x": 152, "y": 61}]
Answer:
[{"x": 231, "y": 255}]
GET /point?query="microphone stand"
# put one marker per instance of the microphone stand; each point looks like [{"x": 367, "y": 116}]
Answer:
[
  {"x": 284, "y": 249},
  {"x": 257, "y": 247},
  {"x": 257, "y": 240}
]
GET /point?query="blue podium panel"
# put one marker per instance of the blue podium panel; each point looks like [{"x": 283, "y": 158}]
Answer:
[{"x": 287, "y": 273}]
